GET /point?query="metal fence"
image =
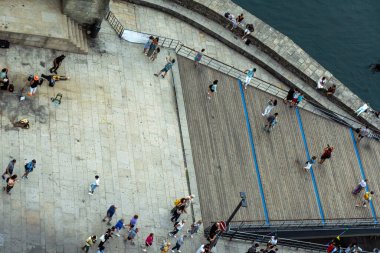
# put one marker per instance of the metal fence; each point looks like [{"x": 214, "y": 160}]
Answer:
[{"x": 232, "y": 71}]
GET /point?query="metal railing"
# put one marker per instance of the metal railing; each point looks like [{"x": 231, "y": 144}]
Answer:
[
  {"x": 115, "y": 23},
  {"x": 232, "y": 71}
]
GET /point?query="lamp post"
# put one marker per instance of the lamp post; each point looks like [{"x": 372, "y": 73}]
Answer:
[{"x": 242, "y": 203}]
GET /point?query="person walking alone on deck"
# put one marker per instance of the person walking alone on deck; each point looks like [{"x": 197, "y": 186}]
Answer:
[
  {"x": 250, "y": 73},
  {"x": 270, "y": 105},
  {"x": 212, "y": 89},
  {"x": 310, "y": 163},
  {"x": 327, "y": 152},
  {"x": 198, "y": 57},
  {"x": 10, "y": 183}
]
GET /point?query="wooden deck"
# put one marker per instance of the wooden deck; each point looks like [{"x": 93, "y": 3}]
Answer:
[{"x": 224, "y": 163}]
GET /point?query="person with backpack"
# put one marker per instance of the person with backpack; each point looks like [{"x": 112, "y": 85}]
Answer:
[
  {"x": 56, "y": 64},
  {"x": 29, "y": 168}
]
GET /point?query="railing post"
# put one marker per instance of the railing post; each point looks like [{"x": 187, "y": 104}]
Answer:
[{"x": 180, "y": 48}]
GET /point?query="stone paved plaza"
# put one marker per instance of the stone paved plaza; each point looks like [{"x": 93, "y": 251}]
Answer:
[{"x": 116, "y": 120}]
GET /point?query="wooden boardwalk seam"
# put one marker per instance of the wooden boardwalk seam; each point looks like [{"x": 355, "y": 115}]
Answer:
[{"x": 224, "y": 164}]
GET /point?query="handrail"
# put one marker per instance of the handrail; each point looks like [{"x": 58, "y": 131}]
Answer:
[{"x": 261, "y": 84}]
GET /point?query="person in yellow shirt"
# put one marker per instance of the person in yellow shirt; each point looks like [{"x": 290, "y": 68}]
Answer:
[
  {"x": 166, "y": 247},
  {"x": 89, "y": 242},
  {"x": 367, "y": 197}
]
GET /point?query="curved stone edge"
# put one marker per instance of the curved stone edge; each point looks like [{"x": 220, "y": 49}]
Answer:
[{"x": 280, "y": 48}]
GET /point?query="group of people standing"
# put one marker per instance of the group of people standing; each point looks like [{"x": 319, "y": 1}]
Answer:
[{"x": 151, "y": 48}]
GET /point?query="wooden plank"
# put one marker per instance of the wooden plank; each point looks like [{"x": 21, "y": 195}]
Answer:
[
  {"x": 220, "y": 144},
  {"x": 369, "y": 151},
  {"x": 281, "y": 157},
  {"x": 337, "y": 176}
]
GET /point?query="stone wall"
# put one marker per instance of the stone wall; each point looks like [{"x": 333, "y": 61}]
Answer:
[{"x": 86, "y": 12}]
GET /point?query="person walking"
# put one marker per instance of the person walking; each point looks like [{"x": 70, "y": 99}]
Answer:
[
  {"x": 155, "y": 54},
  {"x": 152, "y": 47},
  {"x": 149, "y": 241},
  {"x": 362, "y": 109},
  {"x": 110, "y": 212},
  {"x": 310, "y": 163},
  {"x": 177, "y": 213},
  {"x": 194, "y": 228},
  {"x": 133, "y": 221},
  {"x": 177, "y": 227},
  {"x": 179, "y": 243},
  {"x": 289, "y": 97},
  {"x": 294, "y": 101},
  {"x": 362, "y": 185},
  {"x": 212, "y": 89},
  {"x": 249, "y": 75},
  {"x": 271, "y": 122},
  {"x": 119, "y": 226},
  {"x": 57, "y": 63},
  {"x": 34, "y": 82},
  {"x": 363, "y": 132},
  {"x": 10, "y": 183},
  {"x": 198, "y": 57},
  {"x": 93, "y": 185},
  {"x": 101, "y": 249},
  {"x": 165, "y": 248},
  {"x": 367, "y": 197},
  {"x": 166, "y": 68},
  {"x": 9, "y": 169},
  {"x": 89, "y": 242},
  {"x": 132, "y": 233},
  {"x": 327, "y": 152},
  {"x": 29, "y": 168},
  {"x": 104, "y": 238},
  {"x": 147, "y": 44},
  {"x": 272, "y": 103}
]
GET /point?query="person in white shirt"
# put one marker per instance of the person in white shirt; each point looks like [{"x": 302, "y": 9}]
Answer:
[
  {"x": 94, "y": 185},
  {"x": 321, "y": 85},
  {"x": 363, "y": 132},
  {"x": 177, "y": 227},
  {"x": 361, "y": 109},
  {"x": 362, "y": 185}
]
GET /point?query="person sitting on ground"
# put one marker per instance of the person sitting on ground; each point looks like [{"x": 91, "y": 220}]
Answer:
[
  {"x": 321, "y": 83},
  {"x": 240, "y": 18},
  {"x": 3, "y": 74},
  {"x": 361, "y": 109},
  {"x": 331, "y": 90},
  {"x": 272, "y": 242},
  {"x": 53, "y": 78},
  {"x": 248, "y": 30},
  {"x": 253, "y": 248}
]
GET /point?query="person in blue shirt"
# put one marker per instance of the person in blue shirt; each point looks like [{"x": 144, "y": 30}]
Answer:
[
  {"x": 250, "y": 72},
  {"x": 29, "y": 168},
  {"x": 110, "y": 212},
  {"x": 167, "y": 67}
]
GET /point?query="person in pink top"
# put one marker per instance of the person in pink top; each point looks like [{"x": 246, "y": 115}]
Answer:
[{"x": 149, "y": 241}]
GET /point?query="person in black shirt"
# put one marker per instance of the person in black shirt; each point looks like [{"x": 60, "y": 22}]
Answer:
[{"x": 56, "y": 63}]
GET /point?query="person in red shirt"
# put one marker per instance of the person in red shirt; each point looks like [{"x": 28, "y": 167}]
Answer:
[
  {"x": 326, "y": 153},
  {"x": 149, "y": 241}
]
